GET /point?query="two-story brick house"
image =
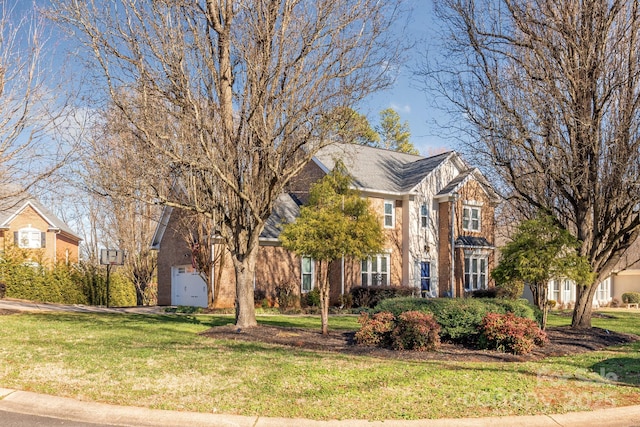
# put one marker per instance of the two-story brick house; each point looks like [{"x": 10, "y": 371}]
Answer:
[{"x": 437, "y": 213}]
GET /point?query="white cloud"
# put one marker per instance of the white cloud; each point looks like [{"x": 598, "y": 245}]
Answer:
[{"x": 406, "y": 108}]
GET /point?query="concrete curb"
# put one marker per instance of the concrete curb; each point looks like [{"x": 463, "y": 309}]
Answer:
[{"x": 90, "y": 412}]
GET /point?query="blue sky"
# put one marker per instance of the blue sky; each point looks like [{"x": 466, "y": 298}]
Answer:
[{"x": 407, "y": 96}]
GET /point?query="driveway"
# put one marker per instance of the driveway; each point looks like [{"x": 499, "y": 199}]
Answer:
[{"x": 21, "y": 305}]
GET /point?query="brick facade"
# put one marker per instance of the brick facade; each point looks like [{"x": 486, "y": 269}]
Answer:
[
  {"x": 59, "y": 246},
  {"x": 409, "y": 243}
]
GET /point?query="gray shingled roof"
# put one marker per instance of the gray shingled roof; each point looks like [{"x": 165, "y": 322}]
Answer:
[
  {"x": 378, "y": 169},
  {"x": 12, "y": 205},
  {"x": 472, "y": 242},
  {"x": 285, "y": 210},
  {"x": 455, "y": 182}
]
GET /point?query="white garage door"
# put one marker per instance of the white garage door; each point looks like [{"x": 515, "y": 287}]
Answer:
[{"x": 187, "y": 287}]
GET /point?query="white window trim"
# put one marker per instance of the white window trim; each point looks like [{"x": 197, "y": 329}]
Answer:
[
  {"x": 603, "y": 293},
  {"x": 370, "y": 274},
  {"x": 469, "y": 208},
  {"x": 554, "y": 291},
  {"x": 468, "y": 285},
  {"x": 303, "y": 273},
  {"x": 30, "y": 239},
  {"x": 424, "y": 215},
  {"x": 425, "y": 277},
  {"x": 393, "y": 213}
]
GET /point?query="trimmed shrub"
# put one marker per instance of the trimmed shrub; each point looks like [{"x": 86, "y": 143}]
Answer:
[
  {"x": 312, "y": 298},
  {"x": 346, "y": 301},
  {"x": 459, "y": 318},
  {"x": 35, "y": 282},
  {"x": 483, "y": 293},
  {"x": 370, "y": 296},
  {"x": 510, "y": 334},
  {"x": 415, "y": 330},
  {"x": 510, "y": 290},
  {"x": 259, "y": 297},
  {"x": 375, "y": 330},
  {"x": 286, "y": 296},
  {"x": 122, "y": 292},
  {"x": 631, "y": 297}
]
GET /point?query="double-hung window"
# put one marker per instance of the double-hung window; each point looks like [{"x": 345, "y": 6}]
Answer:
[
  {"x": 30, "y": 238},
  {"x": 307, "y": 274},
  {"x": 471, "y": 218},
  {"x": 375, "y": 270},
  {"x": 554, "y": 290},
  {"x": 389, "y": 214},
  {"x": 424, "y": 216},
  {"x": 603, "y": 293},
  {"x": 425, "y": 277},
  {"x": 475, "y": 272}
]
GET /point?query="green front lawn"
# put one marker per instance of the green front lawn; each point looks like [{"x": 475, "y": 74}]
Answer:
[{"x": 161, "y": 362}]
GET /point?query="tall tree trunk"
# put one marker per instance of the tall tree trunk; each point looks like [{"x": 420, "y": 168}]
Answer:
[
  {"x": 245, "y": 308},
  {"x": 545, "y": 314},
  {"x": 539, "y": 294},
  {"x": 584, "y": 302},
  {"x": 323, "y": 284}
]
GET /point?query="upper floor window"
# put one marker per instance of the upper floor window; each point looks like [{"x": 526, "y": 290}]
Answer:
[
  {"x": 307, "y": 274},
  {"x": 471, "y": 218},
  {"x": 389, "y": 214},
  {"x": 375, "y": 270},
  {"x": 424, "y": 216},
  {"x": 30, "y": 238}
]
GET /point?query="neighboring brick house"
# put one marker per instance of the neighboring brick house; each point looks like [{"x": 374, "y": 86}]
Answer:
[
  {"x": 27, "y": 224},
  {"x": 418, "y": 199}
]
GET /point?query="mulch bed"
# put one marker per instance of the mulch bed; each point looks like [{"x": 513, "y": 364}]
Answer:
[{"x": 562, "y": 341}]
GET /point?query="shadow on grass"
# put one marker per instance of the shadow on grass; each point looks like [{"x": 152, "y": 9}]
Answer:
[
  {"x": 623, "y": 370},
  {"x": 133, "y": 320}
]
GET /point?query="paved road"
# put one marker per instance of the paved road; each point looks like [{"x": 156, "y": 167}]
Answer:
[{"x": 13, "y": 419}]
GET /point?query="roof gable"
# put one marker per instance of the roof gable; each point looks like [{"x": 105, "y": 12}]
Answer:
[
  {"x": 379, "y": 170},
  {"x": 458, "y": 182},
  {"x": 12, "y": 207}
]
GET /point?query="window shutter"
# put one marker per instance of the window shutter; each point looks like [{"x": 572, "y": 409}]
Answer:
[
  {"x": 16, "y": 239},
  {"x": 43, "y": 239}
]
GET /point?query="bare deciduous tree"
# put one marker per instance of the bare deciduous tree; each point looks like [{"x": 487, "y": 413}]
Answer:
[
  {"x": 551, "y": 90},
  {"x": 226, "y": 97},
  {"x": 127, "y": 221},
  {"x": 32, "y": 109}
]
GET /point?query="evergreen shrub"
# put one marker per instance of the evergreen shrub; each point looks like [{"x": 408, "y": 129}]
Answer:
[
  {"x": 459, "y": 318},
  {"x": 631, "y": 297},
  {"x": 370, "y": 296},
  {"x": 415, "y": 330},
  {"x": 375, "y": 330},
  {"x": 510, "y": 334}
]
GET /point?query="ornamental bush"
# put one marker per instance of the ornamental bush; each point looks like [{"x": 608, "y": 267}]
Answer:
[
  {"x": 510, "y": 334},
  {"x": 459, "y": 318},
  {"x": 631, "y": 297},
  {"x": 369, "y": 296},
  {"x": 412, "y": 330},
  {"x": 415, "y": 330},
  {"x": 375, "y": 329}
]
